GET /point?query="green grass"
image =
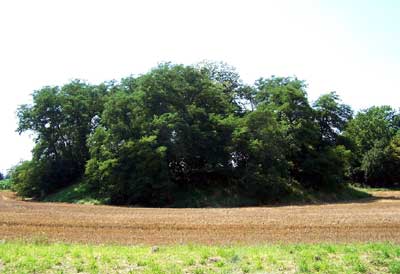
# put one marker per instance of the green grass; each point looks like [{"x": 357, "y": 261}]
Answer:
[
  {"x": 5, "y": 184},
  {"x": 211, "y": 197},
  {"x": 224, "y": 197},
  {"x": 42, "y": 257},
  {"x": 369, "y": 189},
  {"x": 77, "y": 194},
  {"x": 342, "y": 193}
]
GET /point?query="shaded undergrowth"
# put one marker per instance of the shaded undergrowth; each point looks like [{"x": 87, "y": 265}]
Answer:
[{"x": 230, "y": 196}]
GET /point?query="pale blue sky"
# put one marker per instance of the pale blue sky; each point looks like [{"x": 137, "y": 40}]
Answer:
[{"x": 352, "y": 47}]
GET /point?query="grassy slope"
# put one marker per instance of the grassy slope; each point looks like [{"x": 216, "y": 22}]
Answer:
[
  {"x": 40, "y": 257},
  {"x": 223, "y": 197},
  {"x": 77, "y": 194},
  {"x": 346, "y": 192}
]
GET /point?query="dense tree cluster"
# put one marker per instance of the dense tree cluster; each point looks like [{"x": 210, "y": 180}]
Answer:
[
  {"x": 178, "y": 128},
  {"x": 374, "y": 136}
]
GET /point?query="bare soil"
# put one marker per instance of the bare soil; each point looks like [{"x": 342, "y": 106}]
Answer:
[{"x": 372, "y": 219}]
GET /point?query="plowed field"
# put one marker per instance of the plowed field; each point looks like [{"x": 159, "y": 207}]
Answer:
[{"x": 373, "y": 219}]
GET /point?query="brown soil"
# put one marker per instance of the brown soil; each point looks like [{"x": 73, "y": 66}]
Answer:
[{"x": 373, "y": 219}]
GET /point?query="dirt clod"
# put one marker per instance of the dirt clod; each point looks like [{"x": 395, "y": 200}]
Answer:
[
  {"x": 155, "y": 249},
  {"x": 214, "y": 259}
]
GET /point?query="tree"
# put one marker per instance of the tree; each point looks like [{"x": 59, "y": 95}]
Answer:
[
  {"x": 222, "y": 73},
  {"x": 177, "y": 129},
  {"x": 332, "y": 116},
  {"x": 287, "y": 99},
  {"x": 229, "y": 79},
  {"x": 373, "y": 142},
  {"x": 30, "y": 178},
  {"x": 172, "y": 119},
  {"x": 1, "y": 176},
  {"x": 372, "y": 125},
  {"x": 61, "y": 118},
  {"x": 259, "y": 154}
]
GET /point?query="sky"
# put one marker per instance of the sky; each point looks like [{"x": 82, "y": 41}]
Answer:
[{"x": 348, "y": 46}]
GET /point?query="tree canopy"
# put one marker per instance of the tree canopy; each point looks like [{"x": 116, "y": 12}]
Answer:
[
  {"x": 179, "y": 128},
  {"x": 374, "y": 135}
]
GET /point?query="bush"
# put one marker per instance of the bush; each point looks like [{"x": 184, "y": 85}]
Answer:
[{"x": 5, "y": 184}]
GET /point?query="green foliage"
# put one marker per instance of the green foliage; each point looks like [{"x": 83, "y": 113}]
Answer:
[
  {"x": 332, "y": 116},
  {"x": 259, "y": 155},
  {"x": 372, "y": 125},
  {"x": 184, "y": 129},
  {"x": 374, "y": 135},
  {"x": 327, "y": 167},
  {"x": 312, "y": 151},
  {"x": 27, "y": 180},
  {"x": 61, "y": 118},
  {"x": 78, "y": 193},
  {"x": 5, "y": 184},
  {"x": 168, "y": 131}
]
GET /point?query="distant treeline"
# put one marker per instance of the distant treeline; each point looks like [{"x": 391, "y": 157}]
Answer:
[{"x": 142, "y": 139}]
